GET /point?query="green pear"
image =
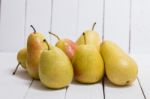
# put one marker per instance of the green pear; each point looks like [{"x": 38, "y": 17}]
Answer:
[
  {"x": 66, "y": 45},
  {"x": 21, "y": 58},
  {"x": 55, "y": 69},
  {"x": 88, "y": 63},
  {"x": 120, "y": 68},
  {"x": 35, "y": 46},
  {"x": 92, "y": 37}
]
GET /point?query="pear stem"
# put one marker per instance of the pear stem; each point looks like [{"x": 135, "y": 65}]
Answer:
[
  {"x": 33, "y": 28},
  {"x": 54, "y": 35},
  {"x": 84, "y": 38},
  {"x": 16, "y": 69},
  {"x": 47, "y": 44},
  {"x": 93, "y": 26}
]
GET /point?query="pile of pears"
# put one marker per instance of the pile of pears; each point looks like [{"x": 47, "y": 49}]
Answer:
[{"x": 87, "y": 60}]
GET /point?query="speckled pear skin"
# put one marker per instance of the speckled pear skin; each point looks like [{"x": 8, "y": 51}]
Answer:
[
  {"x": 92, "y": 37},
  {"x": 68, "y": 47},
  {"x": 35, "y": 46},
  {"x": 120, "y": 68},
  {"x": 88, "y": 64},
  {"x": 55, "y": 70},
  {"x": 22, "y": 57}
]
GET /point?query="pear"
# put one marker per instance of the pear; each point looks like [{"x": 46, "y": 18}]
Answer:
[
  {"x": 35, "y": 46},
  {"x": 92, "y": 37},
  {"x": 120, "y": 68},
  {"x": 21, "y": 58},
  {"x": 55, "y": 69},
  {"x": 66, "y": 45},
  {"x": 88, "y": 63}
]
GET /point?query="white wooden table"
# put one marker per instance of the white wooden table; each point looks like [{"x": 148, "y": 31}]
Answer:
[
  {"x": 125, "y": 22},
  {"x": 21, "y": 86}
]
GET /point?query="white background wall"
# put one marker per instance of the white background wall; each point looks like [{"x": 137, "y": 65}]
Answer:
[{"x": 125, "y": 22}]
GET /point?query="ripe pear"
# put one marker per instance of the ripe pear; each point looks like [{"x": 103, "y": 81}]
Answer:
[
  {"x": 92, "y": 37},
  {"x": 66, "y": 45},
  {"x": 120, "y": 68},
  {"x": 21, "y": 58},
  {"x": 55, "y": 69},
  {"x": 88, "y": 63},
  {"x": 35, "y": 46}
]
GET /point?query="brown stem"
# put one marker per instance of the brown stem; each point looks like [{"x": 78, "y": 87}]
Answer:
[
  {"x": 47, "y": 44},
  {"x": 93, "y": 26},
  {"x": 33, "y": 28},
  {"x": 84, "y": 36},
  {"x": 16, "y": 69},
  {"x": 54, "y": 35}
]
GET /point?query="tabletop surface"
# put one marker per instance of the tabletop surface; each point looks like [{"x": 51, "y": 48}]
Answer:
[{"x": 21, "y": 86}]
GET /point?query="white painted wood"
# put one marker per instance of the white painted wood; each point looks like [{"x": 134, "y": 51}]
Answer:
[
  {"x": 64, "y": 19},
  {"x": 38, "y": 91},
  {"x": 84, "y": 91},
  {"x": 12, "y": 86},
  {"x": 126, "y": 92},
  {"x": 116, "y": 26},
  {"x": 144, "y": 75},
  {"x": 90, "y": 11},
  {"x": 140, "y": 26},
  {"x": 39, "y": 15},
  {"x": 12, "y": 25}
]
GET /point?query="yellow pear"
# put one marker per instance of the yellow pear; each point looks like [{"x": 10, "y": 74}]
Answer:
[
  {"x": 66, "y": 45},
  {"x": 21, "y": 58},
  {"x": 88, "y": 63},
  {"x": 92, "y": 37},
  {"x": 55, "y": 69},
  {"x": 35, "y": 46},
  {"x": 120, "y": 68}
]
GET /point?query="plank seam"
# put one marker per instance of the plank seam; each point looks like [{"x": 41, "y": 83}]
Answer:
[
  {"x": 103, "y": 36},
  {"x": 28, "y": 88},
  {"x": 141, "y": 88},
  {"x": 51, "y": 18},
  {"x": 130, "y": 24},
  {"x": 103, "y": 23},
  {"x": 25, "y": 19}
]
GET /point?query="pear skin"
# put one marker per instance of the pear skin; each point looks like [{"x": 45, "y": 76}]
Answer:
[
  {"x": 67, "y": 46},
  {"x": 120, "y": 68},
  {"x": 92, "y": 37},
  {"x": 22, "y": 57},
  {"x": 88, "y": 64},
  {"x": 55, "y": 68},
  {"x": 35, "y": 46}
]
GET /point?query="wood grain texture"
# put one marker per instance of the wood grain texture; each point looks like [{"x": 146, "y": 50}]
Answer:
[{"x": 12, "y": 25}]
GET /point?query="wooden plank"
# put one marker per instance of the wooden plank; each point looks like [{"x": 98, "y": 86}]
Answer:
[
  {"x": 126, "y": 92},
  {"x": 12, "y": 25},
  {"x": 38, "y": 91},
  {"x": 90, "y": 11},
  {"x": 39, "y": 15},
  {"x": 144, "y": 75},
  {"x": 140, "y": 26},
  {"x": 116, "y": 27},
  {"x": 85, "y": 91},
  {"x": 12, "y": 86},
  {"x": 64, "y": 19}
]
